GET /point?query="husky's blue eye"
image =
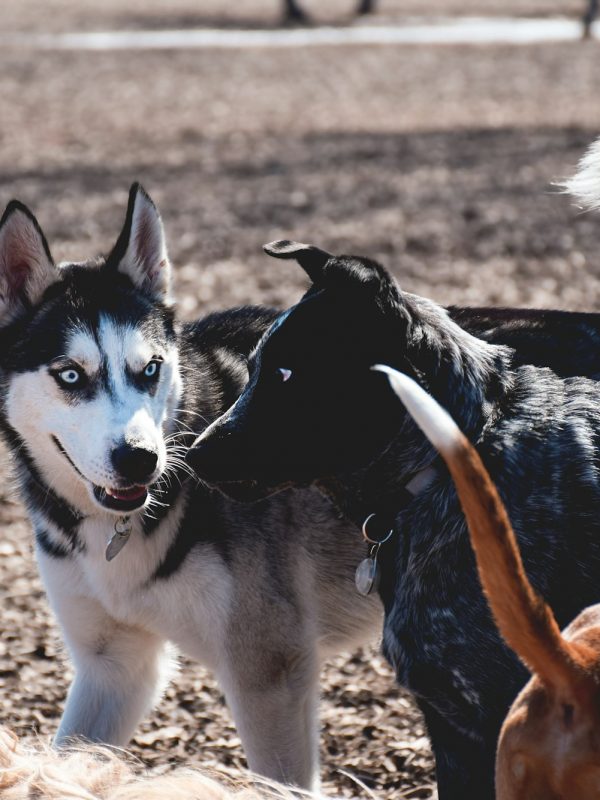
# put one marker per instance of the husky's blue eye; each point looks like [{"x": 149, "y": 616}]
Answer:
[
  {"x": 151, "y": 369},
  {"x": 70, "y": 378}
]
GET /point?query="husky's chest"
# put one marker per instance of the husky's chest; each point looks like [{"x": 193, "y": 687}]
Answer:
[{"x": 186, "y": 608}]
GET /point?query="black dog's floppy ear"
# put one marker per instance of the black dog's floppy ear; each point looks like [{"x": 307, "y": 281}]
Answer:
[
  {"x": 311, "y": 258},
  {"x": 26, "y": 266},
  {"x": 141, "y": 250},
  {"x": 349, "y": 272}
]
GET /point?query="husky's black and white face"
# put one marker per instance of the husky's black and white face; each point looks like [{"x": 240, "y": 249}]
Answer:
[{"x": 89, "y": 360}]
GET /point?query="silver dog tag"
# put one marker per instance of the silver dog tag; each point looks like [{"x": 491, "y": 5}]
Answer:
[
  {"x": 366, "y": 577},
  {"x": 119, "y": 538}
]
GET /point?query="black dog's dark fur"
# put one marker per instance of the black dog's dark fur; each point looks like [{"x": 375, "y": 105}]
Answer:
[
  {"x": 292, "y": 11},
  {"x": 565, "y": 341},
  {"x": 336, "y": 423}
]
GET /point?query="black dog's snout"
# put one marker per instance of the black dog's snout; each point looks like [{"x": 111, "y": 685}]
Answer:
[
  {"x": 135, "y": 464},
  {"x": 216, "y": 457},
  {"x": 201, "y": 457}
]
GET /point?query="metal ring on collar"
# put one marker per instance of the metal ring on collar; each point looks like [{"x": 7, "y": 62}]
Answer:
[
  {"x": 366, "y": 536},
  {"x": 123, "y": 526}
]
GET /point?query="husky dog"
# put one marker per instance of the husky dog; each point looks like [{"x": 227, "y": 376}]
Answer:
[
  {"x": 314, "y": 412},
  {"x": 99, "y": 390}
]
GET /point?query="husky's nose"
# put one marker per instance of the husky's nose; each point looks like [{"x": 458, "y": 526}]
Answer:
[{"x": 135, "y": 464}]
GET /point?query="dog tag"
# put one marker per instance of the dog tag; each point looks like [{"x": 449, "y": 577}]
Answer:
[
  {"x": 119, "y": 538},
  {"x": 366, "y": 577}
]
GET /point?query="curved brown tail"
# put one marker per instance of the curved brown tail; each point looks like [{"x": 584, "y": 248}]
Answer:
[{"x": 523, "y": 618}]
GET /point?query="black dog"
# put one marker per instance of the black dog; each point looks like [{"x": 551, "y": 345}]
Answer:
[
  {"x": 590, "y": 14},
  {"x": 314, "y": 412},
  {"x": 292, "y": 11}
]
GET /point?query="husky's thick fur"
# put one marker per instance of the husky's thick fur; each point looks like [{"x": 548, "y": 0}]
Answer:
[
  {"x": 549, "y": 745},
  {"x": 313, "y": 411},
  {"x": 99, "y": 390}
]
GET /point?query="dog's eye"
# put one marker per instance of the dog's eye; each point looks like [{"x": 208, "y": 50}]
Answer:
[
  {"x": 285, "y": 374},
  {"x": 70, "y": 378},
  {"x": 151, "y": 369}
]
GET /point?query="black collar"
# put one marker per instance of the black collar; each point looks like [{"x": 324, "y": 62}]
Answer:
[
  {"x": 358, "y": 506},
  {"x": 378, "y": 520}
]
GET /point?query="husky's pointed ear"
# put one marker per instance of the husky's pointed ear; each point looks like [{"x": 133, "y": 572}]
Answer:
[
  {"x": 26, "y": 266},
  {"x": 311, "y": 258},
  {"x": 141, "y": 250}
]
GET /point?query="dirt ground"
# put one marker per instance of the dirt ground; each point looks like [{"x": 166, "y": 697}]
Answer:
[{"x": 439, "y": 161}]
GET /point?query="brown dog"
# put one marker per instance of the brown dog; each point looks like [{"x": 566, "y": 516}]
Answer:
[{"x": 549, "y": 745}]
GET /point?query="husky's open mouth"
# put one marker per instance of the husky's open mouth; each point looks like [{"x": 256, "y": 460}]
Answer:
[
  {"x": 121, "y": 499},
  {"x": 126, "y": 499}
]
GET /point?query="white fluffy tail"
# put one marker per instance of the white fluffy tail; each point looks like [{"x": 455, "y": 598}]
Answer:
[{"x": 585, "y": 184}]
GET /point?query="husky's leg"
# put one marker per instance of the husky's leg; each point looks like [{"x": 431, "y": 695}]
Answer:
[
  {"x": 119, "y": 672},
  {"x": 276, "y": 714}
]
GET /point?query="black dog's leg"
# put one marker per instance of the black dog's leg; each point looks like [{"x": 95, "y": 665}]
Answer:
[
  {"x": 366, "y": 7},
  {"x": 589, "y": 17},
  {"x": 293, "y": 13},
  {"x": 464, "y": 769}
]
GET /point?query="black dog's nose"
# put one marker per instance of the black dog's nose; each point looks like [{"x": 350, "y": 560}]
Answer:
[
  {"x": 215, "y": 458},
  {"x": 135, "y": 464}
]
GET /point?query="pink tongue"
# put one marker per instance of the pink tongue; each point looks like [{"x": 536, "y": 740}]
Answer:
[{"x": 129, "y": 494}]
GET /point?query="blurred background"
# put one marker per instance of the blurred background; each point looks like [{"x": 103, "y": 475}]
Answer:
[{"x": 437, "y": 159}]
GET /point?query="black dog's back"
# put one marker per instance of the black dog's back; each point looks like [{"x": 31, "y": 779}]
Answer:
[{"x": 568, "y": 342}]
